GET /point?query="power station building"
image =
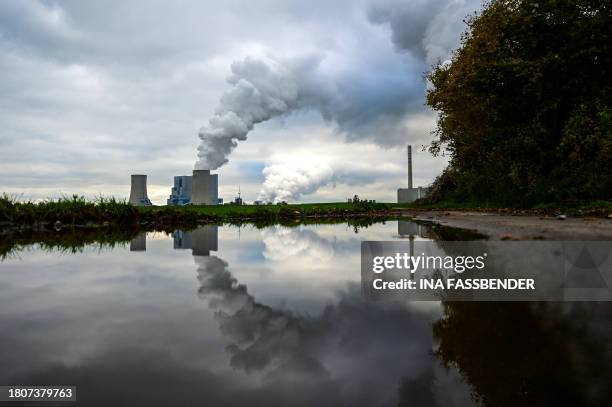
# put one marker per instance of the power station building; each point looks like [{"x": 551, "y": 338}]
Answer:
[
  {"x": 181, "y": 191},
  {"x": 410, "y": 194}
]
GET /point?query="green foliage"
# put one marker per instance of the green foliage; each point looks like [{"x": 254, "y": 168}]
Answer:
[
  {"x": 525, "y": 105},
  {"x": 76, "y": 211},
  {"x": 285, "y": 211},
  {"x": 67, "y": 211}
]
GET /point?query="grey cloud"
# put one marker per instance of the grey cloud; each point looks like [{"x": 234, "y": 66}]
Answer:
[
  {"x": 429, "y": 29},
  {"x": 364, "y": 104},
  {"x": 30, "y": 23},
  {"x": 408, "y": 21}
]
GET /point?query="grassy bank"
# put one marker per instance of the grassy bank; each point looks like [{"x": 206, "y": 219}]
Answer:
[
  {"x": 276, "y": 212},
  {"x": 75, "y": 211},
  {"x": 597, "y": 208},
  {"x": 73, "y": 224}
]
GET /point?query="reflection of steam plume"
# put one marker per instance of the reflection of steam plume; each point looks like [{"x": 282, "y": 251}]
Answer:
[
  {"x": 264, "y": 333},
  {"x": 343, "y": 345}
]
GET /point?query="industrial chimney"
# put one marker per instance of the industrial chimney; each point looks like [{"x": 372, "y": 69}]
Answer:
[
  {"x": 138, "y": 191},
  {"x": 411, "y": 194},
  {"x": 204, "y": 188},
  {"x": 409, "y": 166}
]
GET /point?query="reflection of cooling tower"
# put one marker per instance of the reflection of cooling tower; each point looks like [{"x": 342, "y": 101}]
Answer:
[
  {"x": 203, "y": 240},
  {"x": 204, "y": 189},
  {"x": 138, "y": 192},
  {"x": 139, "y": 243}
]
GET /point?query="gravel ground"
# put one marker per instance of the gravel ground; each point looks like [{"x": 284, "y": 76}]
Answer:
[{"x": 520, "y": 227}]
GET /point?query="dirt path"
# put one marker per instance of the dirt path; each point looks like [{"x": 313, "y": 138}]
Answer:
[{"x": 520, "y": 227}]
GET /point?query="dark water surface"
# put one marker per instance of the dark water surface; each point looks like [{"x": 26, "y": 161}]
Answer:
[{"x": 275, "y": 316}]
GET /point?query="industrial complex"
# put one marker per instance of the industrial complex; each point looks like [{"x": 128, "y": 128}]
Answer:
[{"x": 202, "y": 188}]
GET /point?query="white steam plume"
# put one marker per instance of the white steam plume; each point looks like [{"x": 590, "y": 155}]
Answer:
[
  {"x": 285, "y": 182},
  {"x": 261, "y": 90},
  {"x": 363, "y": 102}
]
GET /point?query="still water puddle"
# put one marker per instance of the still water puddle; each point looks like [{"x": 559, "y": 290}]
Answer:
[{"x": 275, "y": 316}]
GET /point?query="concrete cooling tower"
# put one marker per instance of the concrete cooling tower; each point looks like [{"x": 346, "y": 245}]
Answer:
[
  {"x": 204, "y": 188},
  {"x": 138, "y": 192}
]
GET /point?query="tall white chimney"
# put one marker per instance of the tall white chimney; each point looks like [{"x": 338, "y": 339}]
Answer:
[{"x": 410, "y": 166}]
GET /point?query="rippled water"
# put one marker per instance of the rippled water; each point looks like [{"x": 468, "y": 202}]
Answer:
[{"x": 275, "y": 316}]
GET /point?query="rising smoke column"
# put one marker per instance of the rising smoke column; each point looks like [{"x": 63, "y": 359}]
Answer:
[
  {"x": 261, "y": 89},
  {"x": 369, "y": 95}
]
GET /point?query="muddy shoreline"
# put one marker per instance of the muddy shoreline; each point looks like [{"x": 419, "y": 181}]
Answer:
[{"x": 504, "y": 226}]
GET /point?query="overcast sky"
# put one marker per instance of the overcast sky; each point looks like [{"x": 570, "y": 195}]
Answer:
[{"x": 93, "y": 91}]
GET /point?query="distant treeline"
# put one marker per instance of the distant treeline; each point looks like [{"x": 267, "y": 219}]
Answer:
[{"x": 525, "y": 110}]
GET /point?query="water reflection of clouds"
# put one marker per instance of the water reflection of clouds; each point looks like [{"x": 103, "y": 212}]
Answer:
[
  {"x": 131, "y": 323},
  {"x": 282, "y": 243},
  {"x": 303, "y": 267}
]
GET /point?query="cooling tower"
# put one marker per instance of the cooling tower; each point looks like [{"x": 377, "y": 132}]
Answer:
[
  {"x": 204, "y": 188},
  {"x": 138, "y": 191}
]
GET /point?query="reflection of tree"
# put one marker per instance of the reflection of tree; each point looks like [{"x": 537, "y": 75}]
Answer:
[
  {"x": 524, "y": 354},
  {"x": 417, "y": 391}
]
